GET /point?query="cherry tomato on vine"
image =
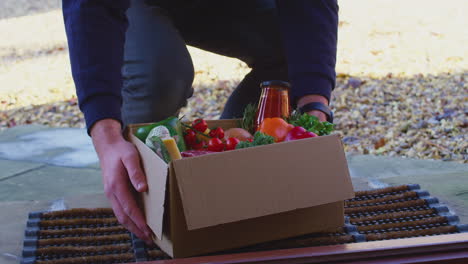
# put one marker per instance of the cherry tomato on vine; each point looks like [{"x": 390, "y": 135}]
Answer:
[
  {"x": 198, "y": 145},
  {"x": 231, "y": 143},
  {"x": 190, "y": 137},
  {"x": 215, "y": 144},
  {"x": 217, "y": 133},
  {"x": 199, "y": 125}
]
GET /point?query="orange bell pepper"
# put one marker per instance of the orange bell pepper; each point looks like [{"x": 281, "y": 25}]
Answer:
[{"x": 275, "y": 127}]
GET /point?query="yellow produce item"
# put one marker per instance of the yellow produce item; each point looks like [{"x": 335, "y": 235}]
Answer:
[
  {"x": 172, "y": 148},
  {"x": 205, "y": 137}
]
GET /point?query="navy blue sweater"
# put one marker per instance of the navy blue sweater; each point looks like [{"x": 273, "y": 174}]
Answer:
[{"x": 96, "y": 35}]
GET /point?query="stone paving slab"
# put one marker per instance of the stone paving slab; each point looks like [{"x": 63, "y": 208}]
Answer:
[
  {"x": 12, "y": 134},
  {"x": 70, "y": 147},
  {"x": 369, "y": 166},
  {"x": 11, "y": 168},
  {"x": 51, "y": 182}
]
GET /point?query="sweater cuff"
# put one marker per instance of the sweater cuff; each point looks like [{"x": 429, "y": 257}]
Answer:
[
  {"x": 101, "y": 107},
  {"x": 310, "y": 84}
]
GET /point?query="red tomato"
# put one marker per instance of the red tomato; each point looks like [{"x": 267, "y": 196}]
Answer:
[
  {"x": 198, "y": 145},
  {"x": 217, "y": 133},
  {"x": 215, "y": 144},
  {"x": 190, "y": 137},
  {"x": 199, "y": 125},
  {"x": 231, "y": 143}
]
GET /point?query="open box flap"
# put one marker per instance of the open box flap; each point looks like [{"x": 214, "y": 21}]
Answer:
[
  {"x": 156, "y": 171},
  {"x": 219, "y": 188}
]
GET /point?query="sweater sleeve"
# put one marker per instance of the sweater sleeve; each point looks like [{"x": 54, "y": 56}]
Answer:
[
  {"x": 95, "y": 31},
  {"x": 309, "y": 29}
]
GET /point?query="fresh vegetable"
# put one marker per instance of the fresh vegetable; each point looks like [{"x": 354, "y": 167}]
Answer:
[
  {"x": 311, "y": 123},
  {"x": 172, "y": 148},
  {"x": 238, "y": 133},
  {"x": 198, "y": 145},
  {"x": 192, "y": 140},
  {"x": 217, "y": 133},
  {"x": 142, "y": 132},
  {"x": 194, "y": 153},
  {"x": 248, "y": 120},
  {"x": 156, "y": 144},
  {"x": 199, "y": 125},
  {"x": 159, "y": 131},
  {"x": 196, "y": 139},
  {"x": 205, "y": 136},
  {"x": 275, "y": 127},
  {"x": 175, "y": 128},
  {"x": 216, "y": 145},
  {"x": 153, "y": 140},
  {"x": 160, "y": 141},
  {"x": 299, "y": 133},
  {"x": 258, "y": 140},
  {"x": 190, "y": 137},
  {"x": 231, "y": 143},
  {"x": 172, "y": 124}
]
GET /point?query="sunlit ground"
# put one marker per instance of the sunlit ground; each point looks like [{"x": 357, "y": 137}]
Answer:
[{"x": 402, "y": 68}]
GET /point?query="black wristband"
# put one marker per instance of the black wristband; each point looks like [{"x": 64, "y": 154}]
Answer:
[{"x": 320, "y": 107}]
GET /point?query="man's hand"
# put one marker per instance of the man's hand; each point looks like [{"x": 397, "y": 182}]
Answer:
[
  {"x": 122, "y": 175},
  {"x": 314, "y": 98}
]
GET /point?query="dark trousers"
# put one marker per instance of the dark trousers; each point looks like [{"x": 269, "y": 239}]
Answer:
[{"x": 158, "y": 71}]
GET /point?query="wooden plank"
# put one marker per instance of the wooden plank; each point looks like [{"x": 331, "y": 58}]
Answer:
[{"x": 451, "y": 248}]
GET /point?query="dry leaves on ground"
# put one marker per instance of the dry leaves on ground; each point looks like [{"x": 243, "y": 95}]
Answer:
[{"x": 420, "y": 117}]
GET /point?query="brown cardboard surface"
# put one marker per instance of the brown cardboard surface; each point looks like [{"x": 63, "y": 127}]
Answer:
[
  {"x": 247, "y": 232},
  {"x": 156, "y": 174},
  {"x": 166, "y": 242},
  {"x": 237, "y": 185},
  {"x": 224, "y": 123}
]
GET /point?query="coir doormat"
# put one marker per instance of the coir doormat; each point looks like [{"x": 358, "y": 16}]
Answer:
[{"x": 95, "y": 236}]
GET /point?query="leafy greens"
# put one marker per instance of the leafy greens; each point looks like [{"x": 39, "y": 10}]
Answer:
[
  {"x": 311, "y": 123},
  {"x": 259, "y": 139}
]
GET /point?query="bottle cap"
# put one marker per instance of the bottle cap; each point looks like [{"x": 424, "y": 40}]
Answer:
[{"x": 275, "y": 83}]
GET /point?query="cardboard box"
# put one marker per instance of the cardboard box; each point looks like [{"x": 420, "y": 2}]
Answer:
[{"x": 242, "y": 197}]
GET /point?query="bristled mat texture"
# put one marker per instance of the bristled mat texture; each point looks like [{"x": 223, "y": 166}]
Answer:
[{"x": 95, "y": 236}]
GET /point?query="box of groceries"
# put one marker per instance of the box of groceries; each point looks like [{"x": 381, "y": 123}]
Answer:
[{"x": 223, "y": 184}]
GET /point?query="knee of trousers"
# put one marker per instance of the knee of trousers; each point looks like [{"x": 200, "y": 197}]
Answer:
[
  {"x": 270, "y": 64},
  {"x": 155, "y": 93},
  {"x": 270, "y": 70}
]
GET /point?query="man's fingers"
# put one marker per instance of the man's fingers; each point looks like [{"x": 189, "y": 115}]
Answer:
[
  {"x": 126, "y": 221},
  {"x": 130, "y": 208},
  {"x": 131, "y": 162}
]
